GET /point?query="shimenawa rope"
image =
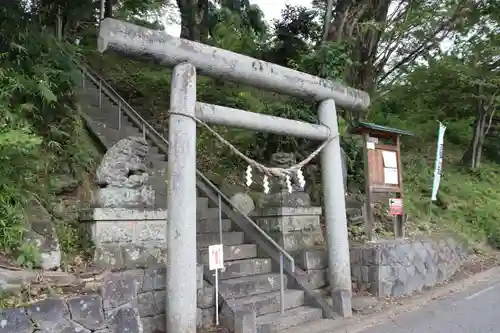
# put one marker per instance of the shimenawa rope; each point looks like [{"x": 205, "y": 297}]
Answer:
[{"x": 277, "y": 172}]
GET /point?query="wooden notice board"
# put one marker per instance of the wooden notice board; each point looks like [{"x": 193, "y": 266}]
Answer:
[{"x": 382, "y": 168}]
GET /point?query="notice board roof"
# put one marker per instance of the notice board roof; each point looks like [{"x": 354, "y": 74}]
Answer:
[{"x": 374, "y": 128}]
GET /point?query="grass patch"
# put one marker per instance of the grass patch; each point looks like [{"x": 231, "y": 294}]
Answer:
[{"x": 466, "y": 200}]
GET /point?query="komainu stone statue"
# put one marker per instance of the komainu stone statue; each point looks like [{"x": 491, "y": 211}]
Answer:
[
  {"x": 122, "y": 176},
  {"x": 279, "y": 195}
]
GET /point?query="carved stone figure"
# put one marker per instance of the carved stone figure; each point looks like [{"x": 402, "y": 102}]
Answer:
[
  {"x": 279, "y": 195},
  {"x": 122, "y": 176},
  {"x": 285, "y": 160}
]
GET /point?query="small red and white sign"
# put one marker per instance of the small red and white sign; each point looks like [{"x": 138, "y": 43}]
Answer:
[
  {"x": 215, "y": 257},
  {"x": 395, "y": 206}
]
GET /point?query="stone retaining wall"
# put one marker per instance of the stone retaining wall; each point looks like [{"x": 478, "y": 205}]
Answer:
[
  {"x": 128, "y": 301},
  {"x": 391, "y": 268}
]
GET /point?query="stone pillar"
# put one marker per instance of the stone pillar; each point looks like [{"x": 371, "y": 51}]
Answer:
[
  {"x": 181, "y": 200},
  {"x": 335, "y": 214}
]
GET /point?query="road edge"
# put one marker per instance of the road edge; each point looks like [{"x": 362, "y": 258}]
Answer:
[{"x": 361, "y": 322}]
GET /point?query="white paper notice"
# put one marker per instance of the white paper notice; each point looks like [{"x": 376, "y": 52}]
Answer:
[
  {"x": 390, "y": 159},
  {"x": 370, "y": 145},
  {"x": 391, "y": 176}
]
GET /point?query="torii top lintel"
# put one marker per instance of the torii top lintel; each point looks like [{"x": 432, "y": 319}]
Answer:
[{"x": 135, "y": 41}]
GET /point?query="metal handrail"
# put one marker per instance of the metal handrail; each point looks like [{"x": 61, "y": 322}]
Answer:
[
  {"x": 98, "y": 79},
  {"x": 130, "y": 111}
]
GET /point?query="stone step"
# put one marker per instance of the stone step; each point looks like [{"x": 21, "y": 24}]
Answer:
[
  {"x": 202, "y": 203},
  {"x": 109, "y": 111},
  {"x": 214, "y": 213},
  {"x": 151, "y": 157},
  {"x": 157, "y": 164},
  {"x": 91, "y": 96},
  {"x": 157, "y": 176},
  {"x": 153, "y": 150},
  {"x": 271, "y": 302},
  {"x": 249, "y": 285},
  {"x": 208, "y": 226},
  {"x": 318, "y": 326},
  {"x": 244, "y": 267},
  {"x": 228, "y": 238},
  {"x": 277, "y": 322},
  {"x": 109, "y": 117},
  {"x": 108, "y": 135},
  {"x": 232, "y": 252}
]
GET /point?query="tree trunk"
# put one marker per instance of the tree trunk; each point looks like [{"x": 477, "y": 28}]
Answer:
[
  {"x": 328, "y": 20},
  {"x": 472, "y": 157},
  {"x": 469, "y": 157},
  {"x": 193, "y": 13},
  {"x": 349, "y": 17},
  {"x": 108, "y": 8}
]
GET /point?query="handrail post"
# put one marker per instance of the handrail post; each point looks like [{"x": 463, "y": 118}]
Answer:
[
  {"x": 282, "y": 286},
  {"x": 119, "y": 115},
  {"x": 220, "y": 217},
  {"x": 100, "y": 93}
]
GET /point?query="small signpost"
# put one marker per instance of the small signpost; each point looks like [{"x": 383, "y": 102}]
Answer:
[
  {"x": 216, "y": 262},
  {"x": 395, "y": 206},
  {"x": 383, "y": 171}
]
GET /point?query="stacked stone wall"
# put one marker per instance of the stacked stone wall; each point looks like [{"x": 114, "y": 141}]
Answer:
[
  {"x": 391, "y": 268},
  {"x": 127, "y": 301}
]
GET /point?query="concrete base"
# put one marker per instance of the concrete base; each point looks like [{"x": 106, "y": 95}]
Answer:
[{"x": 342, "y": 302}]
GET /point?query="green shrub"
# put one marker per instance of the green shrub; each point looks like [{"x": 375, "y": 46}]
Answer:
[{"x": 41, "y": 134}]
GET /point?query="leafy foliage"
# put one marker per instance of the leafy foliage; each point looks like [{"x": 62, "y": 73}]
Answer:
[
  {"x": 40, "y": 131},
  {"x": 421, "y": 62}
]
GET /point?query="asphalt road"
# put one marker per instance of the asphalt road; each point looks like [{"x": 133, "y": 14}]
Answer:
[{"x": 474, "y": 310}]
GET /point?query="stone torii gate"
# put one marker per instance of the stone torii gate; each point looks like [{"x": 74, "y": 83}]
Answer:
[{"x": 189, "y": 57}]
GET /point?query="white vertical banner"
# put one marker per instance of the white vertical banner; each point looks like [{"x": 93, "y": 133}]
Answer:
[{"x": 439, "y": 162}]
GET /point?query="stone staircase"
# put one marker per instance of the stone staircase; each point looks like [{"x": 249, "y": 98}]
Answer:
[{"x": 249, "y": 279}]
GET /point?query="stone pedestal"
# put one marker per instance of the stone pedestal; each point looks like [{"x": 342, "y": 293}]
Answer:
[
  {"x": 285, "y": 199},
  {"x": 293, "y": 228},
  {"x": 127, "y": 238},
  {"x": 122, "y": 197},
  {"x": 124, "y": 225}
]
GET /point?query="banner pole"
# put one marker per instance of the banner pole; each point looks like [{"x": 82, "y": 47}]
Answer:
[{"x": 437, "y": 166}]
